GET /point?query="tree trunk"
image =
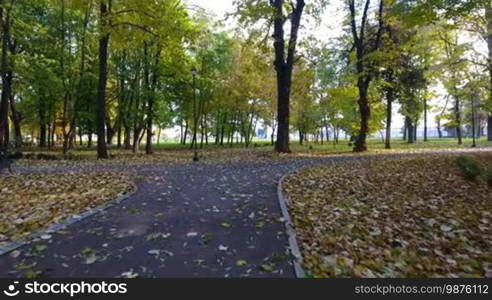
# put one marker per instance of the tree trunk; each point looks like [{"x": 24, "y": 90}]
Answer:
[
  {"x": 110, "y": 132},
  {"x": 217, "y": 128},
  {"x": 81, "y": 143},
  {"x": 426, "y": 139},
  {"x": 89, "y": 139},
  {"x": 410, "y": 131},
  {"x": 389, "y": 117},
  {"x": 127, "y": 139},
  {"x": 365, "y": 76},
  {"x": 202, "y": 133},
  {"x": 457, "y": 114},
  {"x": 283, "y": 67},
  {"x": 233, "y": 129},
  {"x": 327, "y": 132},
  {"x": 42, "y": 135},
  {"x": 222, "y": 129},
  {"x": 102, "y": 152},
  {"x": 150, "y": 106},
  {"x": 415, "y": 137},
  {"x": 185, "y": 135},
  {"x": 272, "y": 136},
  {"x": 283, "y": 109},
  {"x": 488, "y": 12},
  {"x": 5, "y": 76},
  {"x": 119, "y": 137},
  {"x": 489, "y": 128},
  {"x": 148, "y": 146},
  {"x": 7, "y": 135},
  {"x": 365, "y": 114},
  {"x": 53, "y": 134},
  {"x": 16, "y": 120},
  {"x": 136, "y": 139},
  {"x": 67, "y": 96},
  {"x": 439, "y": 132}
]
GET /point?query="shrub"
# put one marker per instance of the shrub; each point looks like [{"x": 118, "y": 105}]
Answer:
[{"x": 468, "y": 167}]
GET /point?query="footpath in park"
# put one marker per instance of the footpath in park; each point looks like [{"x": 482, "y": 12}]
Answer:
[{"x": 184, "y": 220}]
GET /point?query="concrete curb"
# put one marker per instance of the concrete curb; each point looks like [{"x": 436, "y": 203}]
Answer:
[
  {"x": 291, "y": 234},
  {"x": 11, "y": 246}
]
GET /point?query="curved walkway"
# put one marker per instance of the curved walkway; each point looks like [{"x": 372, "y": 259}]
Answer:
[
  {"x": 193, "y": 220},
  {"x": 184, "y": 221}
]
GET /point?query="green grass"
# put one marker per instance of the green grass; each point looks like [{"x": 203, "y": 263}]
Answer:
[{"x": 172, "y": 151}]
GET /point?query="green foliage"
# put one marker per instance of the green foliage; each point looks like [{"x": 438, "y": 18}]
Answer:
[
  {"x": 468, "y": 167},
  {"x": 55, "y": 64}
]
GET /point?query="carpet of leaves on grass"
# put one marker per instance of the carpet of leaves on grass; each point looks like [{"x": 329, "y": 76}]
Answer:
[
  {"x": 397, "y": 217},
  {"x": 161, "y": 156},
  {"x": 33, "y": 202}
]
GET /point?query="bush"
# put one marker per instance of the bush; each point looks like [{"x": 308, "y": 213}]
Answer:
[{"x": 468, "y": 167}]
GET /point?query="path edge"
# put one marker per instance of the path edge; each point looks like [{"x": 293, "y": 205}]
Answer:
[
  {"x": 291, "y": 234},
  {"x": 53, "y": 228}
]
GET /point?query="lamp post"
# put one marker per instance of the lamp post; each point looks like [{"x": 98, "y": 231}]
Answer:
[{"x": 195, "y": 117}]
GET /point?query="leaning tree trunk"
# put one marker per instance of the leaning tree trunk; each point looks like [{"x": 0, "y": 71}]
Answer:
[{"x": 102, "y": 152}]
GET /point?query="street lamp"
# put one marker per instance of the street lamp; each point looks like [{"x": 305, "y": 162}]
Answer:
[{"x": 195, "y": 117}]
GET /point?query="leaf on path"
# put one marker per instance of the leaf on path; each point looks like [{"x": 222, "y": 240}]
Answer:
[
  {"x": 268, "y": 268},
  {"x": 241, "y": 263},
  {"x": 130, "y": 274},
  {"x": 225, "y": 224}
]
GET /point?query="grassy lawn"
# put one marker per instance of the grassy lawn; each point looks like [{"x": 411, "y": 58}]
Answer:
[
  {"x": 32, "y": 202},
  {"x": 258, "y": 151},
  {"x": 397, "y": 144},
  {"x": 395, "y": 217}
]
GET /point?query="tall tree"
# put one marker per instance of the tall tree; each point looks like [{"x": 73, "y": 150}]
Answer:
[
  {"x": 5, "y": 71},
  {"x": 284, "y": 66},
  {"x": 364, "y": 47},
  {"x": 105, "y": 10},
  {"x": 488, "y": 17},
  {"x": 279, "y": 14}
]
